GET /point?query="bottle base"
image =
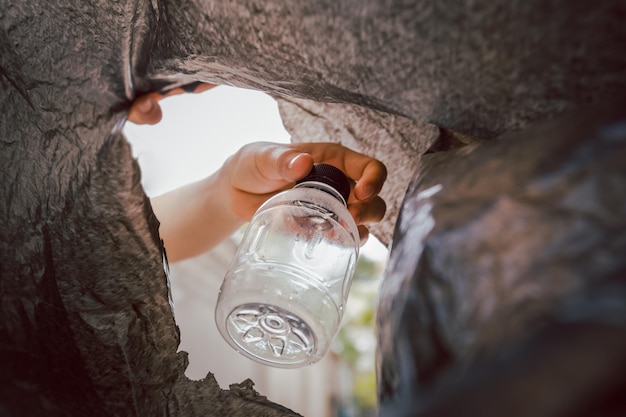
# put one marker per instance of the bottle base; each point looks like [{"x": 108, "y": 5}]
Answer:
[{"x": 271, "y": 335}]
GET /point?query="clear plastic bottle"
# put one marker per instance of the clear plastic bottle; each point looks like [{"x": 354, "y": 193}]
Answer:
[{"x": 282, "y": 298}]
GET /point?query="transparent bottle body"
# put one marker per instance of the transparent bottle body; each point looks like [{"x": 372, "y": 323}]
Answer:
[{"x": 282, "y": 299}]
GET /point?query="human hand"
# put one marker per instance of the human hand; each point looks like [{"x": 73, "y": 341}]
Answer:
[
  {"x": 276, "y": 167},
  {"x": 261, "y": 169},
  {"x": 146, "y": 109},
  {"x": 197, "y": 216}
]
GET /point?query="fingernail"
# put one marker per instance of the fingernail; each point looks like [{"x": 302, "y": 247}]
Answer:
[
  {"x": 293, "y": 161},
  {"x": 145, "y": 106}
]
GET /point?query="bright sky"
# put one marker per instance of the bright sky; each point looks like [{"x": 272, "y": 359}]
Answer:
[{"x": 199, "y": 131}]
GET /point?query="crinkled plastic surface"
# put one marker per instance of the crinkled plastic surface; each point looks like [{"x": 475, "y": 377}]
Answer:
[{"x": 505, "y": 293}]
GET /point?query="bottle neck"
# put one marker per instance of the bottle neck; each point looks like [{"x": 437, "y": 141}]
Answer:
[{"x": 323, "y": 187}]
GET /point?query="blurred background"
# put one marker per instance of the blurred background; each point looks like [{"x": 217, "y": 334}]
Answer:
[{"x": 198, "y": 132}]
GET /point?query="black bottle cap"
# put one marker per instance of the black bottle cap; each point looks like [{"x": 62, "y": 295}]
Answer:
[{"x": 331, "y": 176}]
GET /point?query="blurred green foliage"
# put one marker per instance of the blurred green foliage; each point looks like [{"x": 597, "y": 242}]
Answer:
[{"x": 356, "y": 338}]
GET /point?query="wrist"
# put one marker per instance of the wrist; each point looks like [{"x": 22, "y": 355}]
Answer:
[{"x": 221, "y": 199}]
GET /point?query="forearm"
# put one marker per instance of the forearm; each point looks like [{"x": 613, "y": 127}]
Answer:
[{"x": 195, "y": 217}]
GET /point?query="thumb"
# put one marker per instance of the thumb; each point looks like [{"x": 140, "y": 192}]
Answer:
[
  {"x": 264, "y": 167},
  {"x": 276, "y": 162},
  {"x": 297, "y": 166}
]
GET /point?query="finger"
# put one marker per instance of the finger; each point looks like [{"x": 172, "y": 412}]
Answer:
[
  {"x": 370, "y": 211},
  {"x": 261, "y": 169},
  {"x": 371, "y": 181},
  {"x": 145, "y": 110},
  {"x": 296, "y": 167},
  {"x": 200, "y": 87},
  {"x": 195, "y": 87},
  {"x": 264, "y": 167},
  {"x": 278, "y": 162},
  {"x": 364, "y": 234}
]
